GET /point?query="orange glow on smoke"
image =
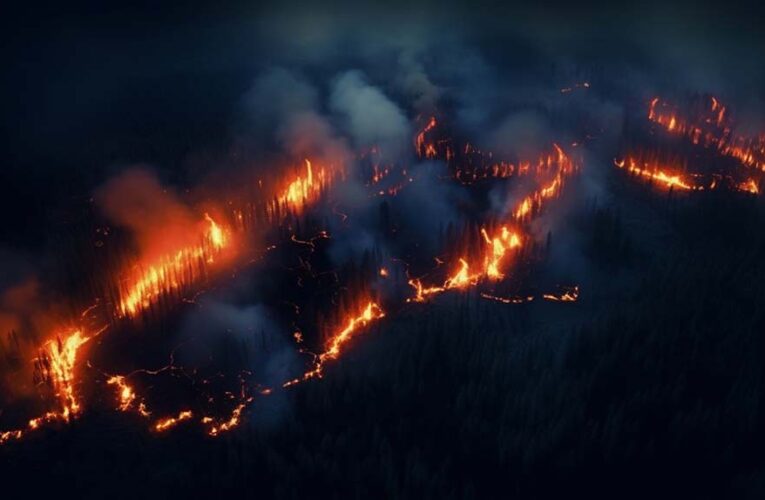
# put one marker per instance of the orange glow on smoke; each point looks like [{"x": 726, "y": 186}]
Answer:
[
  {"x": 178, "y": 266},
  {"x": 569, "y": 294},
  {"x": 750, "y": 186},
  {"x": 148, "y": 283},
  {"x": 229, "y": 424},
  {"x": 303, "y": 189},
  {"x": 491, "y": 259}
]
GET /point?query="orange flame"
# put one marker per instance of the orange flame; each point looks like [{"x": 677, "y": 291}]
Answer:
[
  {"x": 713, "y": 128},
  {"x": 750, "y": 186},
  {"x": 370, "y": 313},
  {"x": 170, "y": 273},
  {"x": 498, "y": 246},
  {"x": 229, "y": 424},
  {"x": 170, "y": 422},
  {"x": 59, "y": 357},
  {"x": 423, "y": 149},
  {"x": 127, "y": 395},
  {"x": 652, "y": 170},
  {"x": 570, "y": 294}
]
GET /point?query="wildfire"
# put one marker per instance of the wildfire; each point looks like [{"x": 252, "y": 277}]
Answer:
[
  {"x": 498, "y": 246},
  {"x": 569, "y": 294},
  {"x": 535, "y": 200},
  {"x": 172, "y": 272},
  {"x": 127, "y": 396},
  {"x": 303, "y": 190},
  {"x": 227, "y": 425},
  {"x": 566, "y": 294},
  {"x": 58, "y": 362},
  {"x": 750, "y": 186},
  {"x": 713, "y": 128},
  {"x": 655, "y": 171},
  {"x": 371, "y": 312},
  {"x": 423, "y": 149},
  {"x": 486, "y": 257},
  {"x": 170, "y": 422}
]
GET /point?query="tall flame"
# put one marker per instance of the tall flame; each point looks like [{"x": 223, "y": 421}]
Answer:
[
  {"x": 59, "y": 357},
  {"x": 303, "y": 189},
  {"x": 713, "y": 128},
  {"x": 147, "y": 284}
]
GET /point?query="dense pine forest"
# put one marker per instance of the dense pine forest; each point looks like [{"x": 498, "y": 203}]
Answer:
[{"x": 656, "y": 391}]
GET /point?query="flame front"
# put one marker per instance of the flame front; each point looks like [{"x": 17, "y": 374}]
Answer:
[
  {"x": 653, "y": 170},
  {"x": 170, "y": 422},
  {"x": 489, "y": 263},
  {"x": 185, "y": 265},
  {"x": 303, "y": 189},
  {"x": 371, "y": 312},
  {"x": 148, "y": 283},
  {"x": 497, "y": 247},
  {"x": 713, "y": 128},
  {"x": 58, "y": 358}
]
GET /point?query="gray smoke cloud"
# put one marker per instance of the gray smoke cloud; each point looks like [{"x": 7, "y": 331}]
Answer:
[{"x": 368, "y": 115}]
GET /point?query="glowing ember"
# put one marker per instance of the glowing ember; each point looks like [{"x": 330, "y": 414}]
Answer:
[
  {"x": 499, "y": 245},
  {"x": 535, "y": 200},
  {"x": 170, "y": 422},
  {"x": 508, "y": 300},
  {"x": 227, "y": 425},
  {"x": 370, "y": 313},
  {"x": 216, "y": 234},
  {"x": 568, "y": 294},
  {"x": 303, "y": 189}
]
